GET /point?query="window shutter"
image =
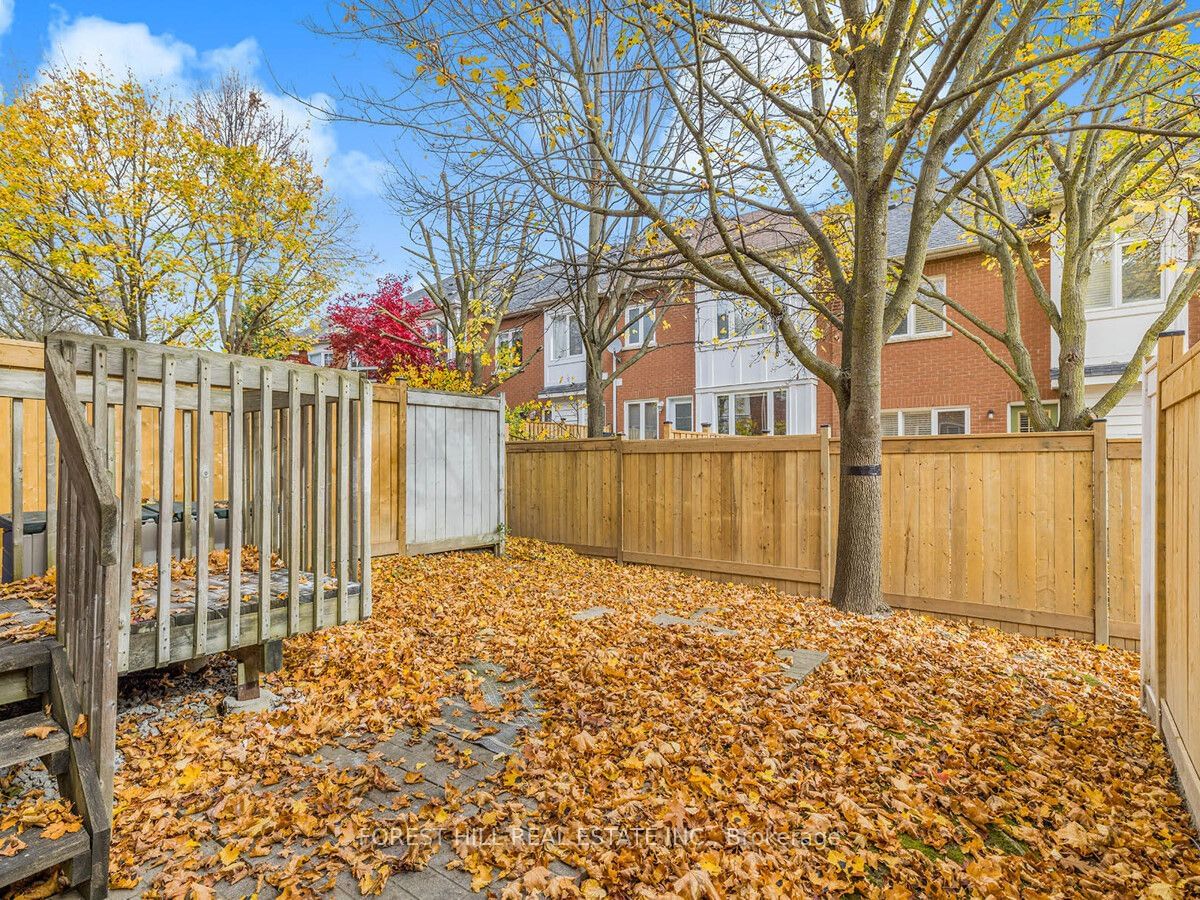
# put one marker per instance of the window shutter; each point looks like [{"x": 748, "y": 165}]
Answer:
[
  {"x": 925, "y": 322},
  {"x": 918, "y": 422},
  {"x": 1099, "y": 289}
]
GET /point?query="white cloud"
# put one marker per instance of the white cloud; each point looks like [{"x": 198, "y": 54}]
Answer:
[
  {"x": 96, "y": 44},
  {"x": 244, "y": 56},
  {"x": 6, "y": 16},
  {"x": 357, "y": 174}
]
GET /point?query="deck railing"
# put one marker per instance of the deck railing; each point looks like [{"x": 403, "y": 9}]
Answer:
[{"x": 87, "y": 537}]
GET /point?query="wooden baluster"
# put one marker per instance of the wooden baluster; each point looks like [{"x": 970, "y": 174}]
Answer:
[
  {"x": 51, "y": 493},
  {"x": 320, "y": 509},
  {"x": 365, "y": 441},
  {"x": 343, "y": 494},
  {"x": 293, "y": 502},
  {"x": 17, "y": 450},
  {"x": 131, "y": 502},
  {"x": 237, "y": 500},
  {"x": 166, "y": 507},
  {"x": 186, "y": 534},
  {"x": 204, "y": 500},
  {"x": 264, "y": 502}
]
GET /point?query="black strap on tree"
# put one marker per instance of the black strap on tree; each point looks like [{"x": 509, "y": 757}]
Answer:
[{"x": 869, "y": 471}]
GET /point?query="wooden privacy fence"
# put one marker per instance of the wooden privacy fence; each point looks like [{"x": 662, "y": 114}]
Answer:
[
  {"x": 1171, "y": 538},
  {"x": 995, "y": 529},
  {"x": 455, "y": 472}
]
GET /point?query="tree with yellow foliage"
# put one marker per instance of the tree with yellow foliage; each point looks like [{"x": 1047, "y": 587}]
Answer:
[
  {"x": 137, "y": 216},
  {"x": 1106, "y": 192},
  {"x": 97, "y": 185}
]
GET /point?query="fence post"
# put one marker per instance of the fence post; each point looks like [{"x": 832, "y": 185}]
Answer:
[
  {"x": 1170, "y": 349},
  {"x": 666, "y": 431},
  {"x": 1100, "y": 528},
  {"x": 620, "y": 498},
  {"x": 502, "y": 499},
  {"x": 826, "y": 517}
]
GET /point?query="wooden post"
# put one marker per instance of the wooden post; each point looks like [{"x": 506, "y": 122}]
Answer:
[
  {"x": 502, "y": 499},
  {"x": 620, "y": 479},
  {"x": 51, "y": 493},
  {"x": 186, "y": 535},
  {"x": 826, "y": 516},
  {"x": 402, "y": 468},
  {"x": 1170, "y": 350},
  {"x": 666, "y": 431},
  {"x": 293, "y": 502},
  {"x": 1100, "y": 528}
]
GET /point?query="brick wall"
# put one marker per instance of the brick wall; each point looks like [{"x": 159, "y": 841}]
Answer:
[
  {"x": 951, "y": 370},
  {"x": 527, "y": 383},
  {"x": 669, "y": 370}
]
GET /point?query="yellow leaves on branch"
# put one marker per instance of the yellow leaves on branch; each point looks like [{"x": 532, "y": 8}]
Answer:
[{"x": 125, "y": 201}]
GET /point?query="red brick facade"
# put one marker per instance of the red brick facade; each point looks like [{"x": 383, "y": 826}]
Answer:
[
  {"x": 949, "y": 369},
  {"x": 667, "y": 370}
]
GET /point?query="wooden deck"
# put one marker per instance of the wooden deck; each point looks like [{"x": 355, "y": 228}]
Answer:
[{"x": 29, "y": 615}]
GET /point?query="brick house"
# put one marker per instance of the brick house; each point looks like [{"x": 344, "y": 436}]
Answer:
[{"x": 720, "y": 366}]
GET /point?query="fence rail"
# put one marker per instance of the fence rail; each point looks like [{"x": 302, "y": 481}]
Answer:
[
  {"x": 547, "y": 431},
  {"x": 1171, "y": 538},
  {"x": 995, "y": 529}
]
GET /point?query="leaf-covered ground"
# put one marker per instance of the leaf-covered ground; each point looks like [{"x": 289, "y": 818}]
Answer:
[{"x": 922, "y": 759}]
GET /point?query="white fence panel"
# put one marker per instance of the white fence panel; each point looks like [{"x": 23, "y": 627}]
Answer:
[{"x": 455, "y": 497}]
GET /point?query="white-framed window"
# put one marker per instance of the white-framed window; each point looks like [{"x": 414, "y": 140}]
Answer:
[
  {"x": 320, "y": 357},
  {"x": 740, "y": 319},
  {"x": 752, "y": 412},
  {"x": 566, "y": 341},
  {"x": 1124, "y": 273},
  {"x": 920, "y": 322},
  {"x": 1018, "y": 416},
  {"x": 641, "y": 419},
  {"x": 680, "y": 413},
  {"x": 916, "y": 422},
  {"x": 440, "y": 335},
  {"x": 510, "y": 346},
  {"x": 641, "y": 320}
]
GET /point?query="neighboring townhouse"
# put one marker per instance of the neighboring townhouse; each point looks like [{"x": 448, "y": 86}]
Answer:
[
  {"x": 935, "y": 380},
  {"x": 717, "y": 364}
]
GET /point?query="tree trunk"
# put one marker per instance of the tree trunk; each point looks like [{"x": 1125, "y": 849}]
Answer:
[
  {"x": 595, "y": 404},
  {"x": 857, "y": 583},
  {"x": 857, "y": 569}
]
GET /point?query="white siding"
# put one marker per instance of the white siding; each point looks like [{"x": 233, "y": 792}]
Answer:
[{"x": 735, "y": 366}]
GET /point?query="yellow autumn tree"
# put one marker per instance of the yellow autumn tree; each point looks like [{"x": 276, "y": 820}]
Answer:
[
  {"x": 272, "y": 242},
  {"x": 95, "y": 187},
  {"x": 141, "y": 217}
]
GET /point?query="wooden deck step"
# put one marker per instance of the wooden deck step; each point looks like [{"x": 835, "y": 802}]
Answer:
[
  {"x": 41, "y": 854},
  {"x": 17, "y": 657},
  {"x": 18, "y": 745}
]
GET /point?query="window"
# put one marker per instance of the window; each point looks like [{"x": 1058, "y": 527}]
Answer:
[
  {"x": 565, "y": 340},
  {"x": 641, "y": 419},
  {"x": 509, "y": 348},
  {"x": 1018, "y": 417},
  {"x": 920, "y": 321},
  {"x": 440, "y": 335},
  {"x": 917, "y": 422},
  {"x": 1135, "y": 280},
  {"x": 320, "y": 357},
  {"x": 739, "y": 318},
  {"x": 641, "y": 325},
  {"x": 679, "y": 413},
  {"x": 761, "y": 412}
]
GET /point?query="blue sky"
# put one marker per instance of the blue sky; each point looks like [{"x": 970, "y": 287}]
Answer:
[{"x": 186, "y": 44}]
